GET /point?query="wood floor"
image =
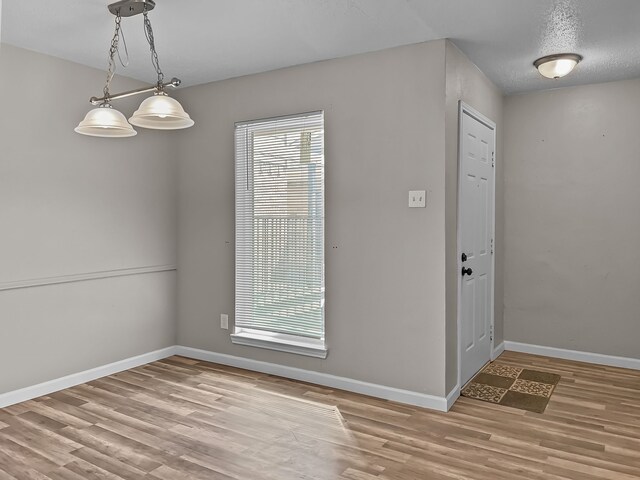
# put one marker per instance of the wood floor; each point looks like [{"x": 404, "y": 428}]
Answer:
[{"x": 182, "y": 419}]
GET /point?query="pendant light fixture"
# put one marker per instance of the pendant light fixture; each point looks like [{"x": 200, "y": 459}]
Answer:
[
  {"x": 159, "y": 112},
  {"x": 557, "y": 66}
]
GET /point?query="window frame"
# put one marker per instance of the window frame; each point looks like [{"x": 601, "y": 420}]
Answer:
[{"x": 243, "y": 335}]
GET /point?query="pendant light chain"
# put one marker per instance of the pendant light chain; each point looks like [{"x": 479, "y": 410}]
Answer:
[
  {"x": 148, "y": 31},
  {"x": 111, "y": 70}
]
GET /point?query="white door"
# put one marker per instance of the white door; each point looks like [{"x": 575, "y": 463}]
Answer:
[{"x": 475, "y": 237}]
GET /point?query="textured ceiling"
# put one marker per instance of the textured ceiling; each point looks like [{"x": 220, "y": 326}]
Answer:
[{"x": 206, "y": 40}]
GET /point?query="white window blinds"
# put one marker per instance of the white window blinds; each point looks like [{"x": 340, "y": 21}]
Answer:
[{"x": 280, "y": 225}]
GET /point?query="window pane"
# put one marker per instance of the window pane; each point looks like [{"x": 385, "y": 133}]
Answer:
[{"x": 280, "y": 225}]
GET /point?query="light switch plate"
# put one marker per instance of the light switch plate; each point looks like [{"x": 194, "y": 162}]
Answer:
[
  {"x": 224, "y": 321},
  {"x": 417, "y": 198}
]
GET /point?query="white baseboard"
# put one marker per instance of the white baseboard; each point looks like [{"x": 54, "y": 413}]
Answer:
[
  {"x": 597, "y": 358},
  {"x": 409, "y": 397},
  {"x": 453, "y": 396},
  {"x": 433, "y": 402},
  {"x": 380, "y": 391},
  {"x": 342, "y": 383},
  {"x": 35, "y": 391},
  {"x": 497, "y": 351}
]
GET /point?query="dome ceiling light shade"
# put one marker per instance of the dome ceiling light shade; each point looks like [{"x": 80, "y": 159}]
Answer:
[
  {"x": 557, "y": 66},
  {"x": 105, "y": 121},
  {"x": 159, "y": 112}
]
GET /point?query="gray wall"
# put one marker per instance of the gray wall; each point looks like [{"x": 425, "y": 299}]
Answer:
[
  {"x": 565, "y": 264},
  {"x": 384, "y": 115},
  {"x": 464, "y": 81},
  {"x": 73, "y": 205},
  {"x": 572, "y": 227}
]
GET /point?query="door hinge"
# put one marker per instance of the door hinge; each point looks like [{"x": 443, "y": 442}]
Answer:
[
  {"x": 493, "y": 159},
  {"x": 491, "y": 333},
  {"x": 492, "y": 246}
]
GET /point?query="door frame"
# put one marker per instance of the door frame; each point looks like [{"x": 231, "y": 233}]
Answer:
[{"x": 463, "y": 109}]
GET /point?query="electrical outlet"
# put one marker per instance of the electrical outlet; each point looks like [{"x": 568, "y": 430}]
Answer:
[
  {"x": 224, "y": 321},
  {"x": 417, "y": 198}
]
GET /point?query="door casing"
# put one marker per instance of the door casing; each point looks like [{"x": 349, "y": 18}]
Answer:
[{"x": 465, "y": 109}]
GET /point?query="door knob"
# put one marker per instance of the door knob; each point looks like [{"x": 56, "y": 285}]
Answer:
[
  {"x": 466, "y": 271},
  {"x": 464, "y": 257}
]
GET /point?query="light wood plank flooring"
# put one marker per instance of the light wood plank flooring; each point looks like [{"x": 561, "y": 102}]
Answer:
[{"x": 182, "y": 419}]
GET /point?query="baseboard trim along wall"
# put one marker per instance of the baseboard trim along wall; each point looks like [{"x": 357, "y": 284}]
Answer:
[
  {"x": 453, "y": 396},
  {"x": 35, "y": 391},
  {"x": 380, "y": 391},
  {"x": 578, "y": 356},
  {"x": 432, "y": 402},
  {"x": 374, "y": 390},
  {"x": 497, "y": 351}
]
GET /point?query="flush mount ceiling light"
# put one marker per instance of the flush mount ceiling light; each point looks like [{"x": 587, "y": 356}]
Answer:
[
  {"x": 557, "y": 66},
  {"x": 159, "y": 112}
]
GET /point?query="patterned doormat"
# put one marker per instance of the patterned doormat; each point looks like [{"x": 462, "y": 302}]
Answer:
[{"x": 512, "y": 386}]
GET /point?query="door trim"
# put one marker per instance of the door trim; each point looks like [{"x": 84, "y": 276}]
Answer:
[{"x": 463, "y": 109}]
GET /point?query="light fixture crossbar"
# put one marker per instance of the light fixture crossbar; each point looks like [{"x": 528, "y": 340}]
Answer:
[{"x": 175, "y": 83}]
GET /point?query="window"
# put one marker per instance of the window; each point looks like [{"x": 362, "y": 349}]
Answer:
[{"x": 280, "y": 234}]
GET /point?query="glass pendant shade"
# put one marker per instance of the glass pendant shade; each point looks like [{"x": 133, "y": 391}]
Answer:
[
  {"x": 557, "y": 66},
  {"x": 161, "y": 112},
  {"x": 105, "y": 121}
]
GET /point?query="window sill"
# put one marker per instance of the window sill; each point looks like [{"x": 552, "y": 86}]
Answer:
[{"x": 280, "y": 342}]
